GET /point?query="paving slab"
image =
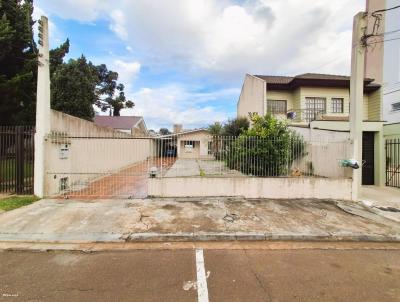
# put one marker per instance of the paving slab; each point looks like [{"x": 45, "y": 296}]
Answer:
[{"x": 189, "y": 219}]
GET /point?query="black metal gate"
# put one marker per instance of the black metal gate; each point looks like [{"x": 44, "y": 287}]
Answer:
[
  {"x": 368, "y": 154},
  {"x": 16, "y": 159},
  {"x": 393, "y": 163}
]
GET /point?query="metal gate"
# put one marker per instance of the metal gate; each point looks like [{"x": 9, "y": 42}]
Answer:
[
  {"x": 393, "y": 163},
  {"x": 104, "y": 166},
  {"x": 16, "y": 159}
]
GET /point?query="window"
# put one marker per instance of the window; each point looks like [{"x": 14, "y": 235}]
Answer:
[
  {"x": 396, "y": 106},
  {"x": 337, "y": 105},
  {"x": 314, "y": 107},
  {"x": 210, "y": 147},
  {"x": 276, "y": 106}
]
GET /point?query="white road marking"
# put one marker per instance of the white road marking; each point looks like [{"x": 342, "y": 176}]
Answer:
[{"x": 202, "y": 290}]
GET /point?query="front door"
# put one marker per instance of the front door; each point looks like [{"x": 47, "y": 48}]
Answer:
[{"x": 368, "y": 158}]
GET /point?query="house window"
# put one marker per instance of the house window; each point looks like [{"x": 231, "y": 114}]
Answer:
[
  {"x": 276, "y": 106},
  {"x": 188, "y": 144},
  {"x": 337, "y": 105},
  {"x": 396, "y": 106},
  {"x": 314, "y": 107},
  {"x": 210, "y": 145}
]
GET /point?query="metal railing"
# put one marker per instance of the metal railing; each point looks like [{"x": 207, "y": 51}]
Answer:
[
  {"x": 393, "y": 163},
  {"x": 16, "y": 159},
  {"x": 304, "y": 115},
  {"x": 226, "y": 156}
]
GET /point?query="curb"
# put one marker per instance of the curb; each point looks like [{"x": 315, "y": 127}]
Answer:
[{"x": 239, "y": 236}]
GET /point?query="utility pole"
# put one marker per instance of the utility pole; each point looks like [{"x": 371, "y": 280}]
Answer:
[
  {"x": 357, "y": 97},
  {"x": 42, "y": 107}
]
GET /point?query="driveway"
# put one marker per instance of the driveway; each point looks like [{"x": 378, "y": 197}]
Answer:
[
  {"x": 190, "y": 219},
  {"x": 199, "y": 167}
]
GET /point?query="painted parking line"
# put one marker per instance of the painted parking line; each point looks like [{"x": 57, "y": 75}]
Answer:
[{"x": 202, "y": 290}]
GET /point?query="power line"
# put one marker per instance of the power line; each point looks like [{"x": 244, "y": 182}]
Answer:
[
  {"x": 382, "y": 41},
  {"x": 385, "y": 10},
  {"x": 390, "y": 32},
  {"x": 391, "y": 92}
]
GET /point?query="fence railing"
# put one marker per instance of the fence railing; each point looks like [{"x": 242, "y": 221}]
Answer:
[
  {"x": 288, "y": 156},
  {"x": 304, "y": 115},
  {"x": 16, "y": 159},
  {"x": 393, "y": 163}
]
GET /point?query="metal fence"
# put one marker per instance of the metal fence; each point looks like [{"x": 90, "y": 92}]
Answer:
[
  {"x": 118, "y": 165},
  {"x": 226, "y": 156},
  {"x": 16, "y": 159},
  {"x": 393, "y": 163}
]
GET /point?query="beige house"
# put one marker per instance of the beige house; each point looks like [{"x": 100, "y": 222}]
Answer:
[
  {"x": 133, "y": 125},
  {"x": 319, "y": 102},
  {"x": 194, "y": 144}
]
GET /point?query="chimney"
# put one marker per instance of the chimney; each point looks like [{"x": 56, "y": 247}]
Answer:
[{"x": 177, "y": 128}]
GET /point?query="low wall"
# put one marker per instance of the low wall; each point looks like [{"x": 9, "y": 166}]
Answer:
[
  {"x": 252, "y": 187},
  {"x": 92, "y": 151}
]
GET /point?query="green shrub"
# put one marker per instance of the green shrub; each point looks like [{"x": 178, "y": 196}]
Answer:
[{"x": 268, "y": 148}]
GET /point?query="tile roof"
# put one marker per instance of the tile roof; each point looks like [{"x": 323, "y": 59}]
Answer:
[
  {"x": 309, "y": 76},
  {"x": 117, "y": 122}
]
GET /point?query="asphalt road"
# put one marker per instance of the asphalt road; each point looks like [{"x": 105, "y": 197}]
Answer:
[{"x": 229, "y": 275}]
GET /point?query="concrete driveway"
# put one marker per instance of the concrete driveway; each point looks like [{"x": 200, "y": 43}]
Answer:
[
  {"x": 189, "y": 219},
  {"x": 199, "y": 167}
]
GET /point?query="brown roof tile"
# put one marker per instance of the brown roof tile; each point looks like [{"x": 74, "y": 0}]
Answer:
[{"x": 117, "y": 122}]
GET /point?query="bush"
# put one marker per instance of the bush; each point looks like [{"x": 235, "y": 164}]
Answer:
[{"x": 266, "y": 149}]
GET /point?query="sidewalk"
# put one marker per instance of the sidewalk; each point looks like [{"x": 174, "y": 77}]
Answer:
[
  {"x": 190, "y": 219},
  {"x": 384, "y": 201}
]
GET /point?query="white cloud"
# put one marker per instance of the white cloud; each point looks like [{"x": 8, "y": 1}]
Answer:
[
  {"x": 171, "y": 104},
  {"x": 224, "y": 39},
  {"x": 81, "y": 10},
  {"x": 127, "y": 71}
]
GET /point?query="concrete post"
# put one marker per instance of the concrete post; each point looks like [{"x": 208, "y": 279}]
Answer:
[
  {"x": 42, "y": 107},
  {"x": 357, "y": 97}
]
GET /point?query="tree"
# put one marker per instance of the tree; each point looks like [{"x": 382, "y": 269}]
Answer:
[
  {"x": 18, "y": 62},
  {"x": 111, "y": 94},
  {"x": 268, "y": 148},
  {"x": 164, "y": 131},
  {"x": 73, "y": 88},
  {"x": 235, "y": 126},
  {"x": 215, "y": 129}
]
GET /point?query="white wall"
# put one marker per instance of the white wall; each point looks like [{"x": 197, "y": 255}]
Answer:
[
  {"x": 391, "y": 64},
  {"x": 251, "y": 187},
  {"x": 93, "y": 151},
  {"x": 252, "y": 97}
]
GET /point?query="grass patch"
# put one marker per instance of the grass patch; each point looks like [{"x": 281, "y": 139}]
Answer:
[{"x": 15, "y": 202}]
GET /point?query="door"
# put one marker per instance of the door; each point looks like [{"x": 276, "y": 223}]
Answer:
[{"x": 368, "y": 145}]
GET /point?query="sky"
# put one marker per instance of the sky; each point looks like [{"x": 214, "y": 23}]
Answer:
[{"x": 184, "y": 61}]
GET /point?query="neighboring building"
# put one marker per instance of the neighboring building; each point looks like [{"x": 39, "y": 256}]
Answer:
[
  {"x": 319, "y": 103},
  {"x": 185, "y": 144},
  {"x": 134, "y": 125},
  {"x": 306, "y": 98},
  {"x": 382, "y": 60},
  {"x": 194, "y": 144}
]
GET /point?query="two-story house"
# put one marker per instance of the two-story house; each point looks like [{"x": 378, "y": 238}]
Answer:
[{"x": 319, "y": 103}]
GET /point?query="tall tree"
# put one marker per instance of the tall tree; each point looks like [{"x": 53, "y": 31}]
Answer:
[
  {"x": 18, "y": 62},
  {"x": 73, "y": 88},
  {"x": 111, "y": 94},
  {"x": 236, "y": 126}
]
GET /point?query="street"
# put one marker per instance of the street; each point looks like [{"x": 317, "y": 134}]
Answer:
[{"x": 232, "y": 272}]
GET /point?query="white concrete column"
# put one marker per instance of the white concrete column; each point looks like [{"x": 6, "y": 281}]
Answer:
[
  {"x": 356, "y": 97},
  {"x": 42, "y": 107}
]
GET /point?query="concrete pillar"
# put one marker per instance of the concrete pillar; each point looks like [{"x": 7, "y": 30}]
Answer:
[
  {"x": 42, "y": 107},
  {"x": 356, "y": 97}
]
